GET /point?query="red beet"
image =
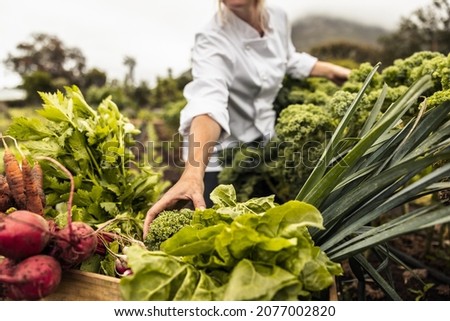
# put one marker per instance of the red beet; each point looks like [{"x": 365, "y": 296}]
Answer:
[
  {"x": 6, "y": 266},
  {"x": 32, "y": 279},
  {"x": 23, "y": 234},
  {"x": 74, "y": 243}
]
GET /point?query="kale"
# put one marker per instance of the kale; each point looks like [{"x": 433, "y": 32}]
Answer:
[{"x": 309, "y": 110}]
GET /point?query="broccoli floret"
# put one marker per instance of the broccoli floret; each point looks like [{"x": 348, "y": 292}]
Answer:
[
  {"x": 166, "y": 224},
  {"x": 312, "y": 90}
]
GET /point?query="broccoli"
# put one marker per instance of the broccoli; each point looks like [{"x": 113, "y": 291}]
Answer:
[{"x": 166, "y": 224}]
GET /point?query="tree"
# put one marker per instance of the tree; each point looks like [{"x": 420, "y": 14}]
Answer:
[
  {"x": 95, "y": 77},
  {"x": 47, "y": 53},
  {"x": 129, "y": 62},
  {"x": 37, "y": 81},
  {"x": 165, "y": 91},
  {"x": 141, "y": 94},
  {"x": 427, "y": 28}
]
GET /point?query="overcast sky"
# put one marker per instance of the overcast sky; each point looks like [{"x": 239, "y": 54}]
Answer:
[{"x": 158, "y": 34}]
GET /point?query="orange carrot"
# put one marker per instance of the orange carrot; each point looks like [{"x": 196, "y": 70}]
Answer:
[
  {"x": 5, "y": 195},
  {"x": 38, "y": 179},
  {"x": 33, "y": 200},
  {"x": 14, "y": 178}
]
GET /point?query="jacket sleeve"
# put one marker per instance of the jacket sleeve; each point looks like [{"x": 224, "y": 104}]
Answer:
[
  {"x": 207, "y": 93},
  {"x": 299, "y": 64}
]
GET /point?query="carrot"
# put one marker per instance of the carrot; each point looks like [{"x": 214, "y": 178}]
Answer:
[
  {"x": 38, "y": 178},
  {"x": 32, "y": 187},
  {"x": 14, "y": 178},
  {"x": 5, "y": 195}
]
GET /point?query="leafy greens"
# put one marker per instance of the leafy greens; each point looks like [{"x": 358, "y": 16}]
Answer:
[
  {"x": 256, "y": 250},
  {"x": 95, "y": 145}
]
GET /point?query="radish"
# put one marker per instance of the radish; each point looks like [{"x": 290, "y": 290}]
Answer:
[
  {"x": 23, "y": 234},
  {"x": 77, "y": 241},
  {"x": 122, "y": 268},
  {"x": 32, "y": 279}
]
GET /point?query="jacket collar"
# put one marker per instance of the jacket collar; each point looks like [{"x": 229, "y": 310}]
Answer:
[{"x": 248, "y": 32}]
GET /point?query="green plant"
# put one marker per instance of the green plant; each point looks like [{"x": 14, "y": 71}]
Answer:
[
  {"x": 422, "y": 292},
  {"x": 96, "y": 146},
  {"x": 375, "y": 175}
]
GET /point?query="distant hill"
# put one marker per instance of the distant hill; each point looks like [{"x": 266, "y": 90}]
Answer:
[{"x": 316, "y": 30}]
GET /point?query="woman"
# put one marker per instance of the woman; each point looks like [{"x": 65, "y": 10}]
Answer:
[{"x": 238, "y": 64}]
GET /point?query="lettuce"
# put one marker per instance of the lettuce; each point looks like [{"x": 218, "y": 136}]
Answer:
[{"x": 256, "y": 250}]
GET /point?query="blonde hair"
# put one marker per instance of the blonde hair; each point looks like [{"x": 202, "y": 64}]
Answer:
[{"x": 259, "y": 6}]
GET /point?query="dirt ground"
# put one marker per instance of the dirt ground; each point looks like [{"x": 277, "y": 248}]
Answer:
[{"x": 428, "y": 276}]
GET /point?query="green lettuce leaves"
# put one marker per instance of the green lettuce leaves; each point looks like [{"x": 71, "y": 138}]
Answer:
[{"x": 256, "y": 250}]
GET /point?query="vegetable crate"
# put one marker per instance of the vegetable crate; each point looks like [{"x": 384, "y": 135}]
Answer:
[{"x": 78, "y": 285}]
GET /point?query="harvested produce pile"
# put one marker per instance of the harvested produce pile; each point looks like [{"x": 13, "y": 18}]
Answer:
[
  {"x": 256, "y": 250},
  {"x": 115, "y": 187},
  {"x": 96, "y": 146},
  {"x": 47, "y": 224},
  {"x": 21, "y": 187},
  {"x": 35, "y": 250}
]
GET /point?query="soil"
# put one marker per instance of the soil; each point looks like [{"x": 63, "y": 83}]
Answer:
[{"x": 427, "y": 253}]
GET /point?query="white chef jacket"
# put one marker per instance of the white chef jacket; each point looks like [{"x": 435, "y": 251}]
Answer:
[{"x": 237, "y": 75}]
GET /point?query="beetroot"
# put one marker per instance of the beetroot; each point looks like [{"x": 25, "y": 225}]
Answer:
[
  {"x": 32, "y": 279},
  {"x": 6, "y": 266},
  {"x": 74, "y": 243},
  {"x": 23, "y": 234},
  {"x": 77, "y": 241}
]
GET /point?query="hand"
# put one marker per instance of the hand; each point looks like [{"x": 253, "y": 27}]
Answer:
[
  {"x": 335, "y": 73},
  {"x": 188, "y": 188},
  {"x": 338, "y": 74}
]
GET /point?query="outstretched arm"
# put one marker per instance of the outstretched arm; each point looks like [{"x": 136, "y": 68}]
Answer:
[
  {"x": 204, "y": 134},
  {"x": 335, "y": 73}
]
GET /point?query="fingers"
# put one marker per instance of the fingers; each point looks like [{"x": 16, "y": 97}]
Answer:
[
  {"x": 168, "y": 201},
  {"x": 198, "y": 201}
]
